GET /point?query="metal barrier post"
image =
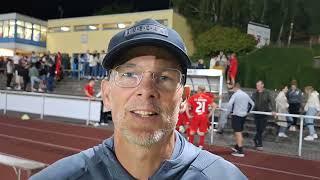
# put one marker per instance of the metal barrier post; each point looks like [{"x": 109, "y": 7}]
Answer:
[
  {"x": 79, "y": 71},
  {"x": 220, "y": 89},
  {"x": 5, "y": 103},
  {"x": 300, "y": 136},
  {"x": 89, "y": 113},
  {"x": 212, "y": 127},
  {"x": 42, "y": 110}
]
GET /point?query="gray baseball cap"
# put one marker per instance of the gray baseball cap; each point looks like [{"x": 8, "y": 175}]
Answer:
[{"x": 144, "y": 33}]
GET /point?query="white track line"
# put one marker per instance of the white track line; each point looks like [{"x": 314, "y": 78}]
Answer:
[
  {"x": 42, "y": 143},
  {"x": 275, "y": 170},
  {"x": 46, "y": 131}
]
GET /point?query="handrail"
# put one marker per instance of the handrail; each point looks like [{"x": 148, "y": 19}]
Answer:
[
  {"x": 48, "y": 95},
  {"x": 278, "y": 114},
  {"x": 301, "y": 116},
  {"x": 99, "y": 99}
]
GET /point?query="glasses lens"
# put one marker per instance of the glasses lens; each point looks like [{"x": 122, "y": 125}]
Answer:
[
  {"x": 127, "y": 76},
  {"x": 169, "y": 79}
]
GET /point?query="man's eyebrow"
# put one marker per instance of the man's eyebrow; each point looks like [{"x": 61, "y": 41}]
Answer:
[{"x": 129, "y": 64}]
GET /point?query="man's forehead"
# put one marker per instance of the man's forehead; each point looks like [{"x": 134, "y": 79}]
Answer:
[
  {"x": 152, "y": 61},
  {"x": 144, "y": 53}
]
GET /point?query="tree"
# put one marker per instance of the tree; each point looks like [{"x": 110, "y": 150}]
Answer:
[
  {"x": 223, "y": 38},
  {"x": 278, "y": 14}
]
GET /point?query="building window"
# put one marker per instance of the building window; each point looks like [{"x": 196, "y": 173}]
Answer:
[
  {"x": 20, "y": 29},
  {"x": 60, "y": 29},
  {"x": 36, "y": 32},
  {"x": 8, "y": 28},
  {"x": 92, "y": 27},
  {"x": 163, "y": 21},
  {"x": 43, "y": 36},
  {"x": 12, "y": 25},
  {"x": 1, "y": 29},
  {"x": 5, "y": 29},
  {"x": 122, "y": 25},
  {"x": 28, "y": 31}
]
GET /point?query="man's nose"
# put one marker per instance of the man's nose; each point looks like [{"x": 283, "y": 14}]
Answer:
[{"x": 147, "y": 86}]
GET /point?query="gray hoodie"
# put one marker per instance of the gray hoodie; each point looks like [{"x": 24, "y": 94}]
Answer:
[{"x": 100, "y": 162}]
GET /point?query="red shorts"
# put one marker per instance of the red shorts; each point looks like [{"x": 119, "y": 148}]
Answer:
[
  {"x": 182, "y": 120},
  {"x": 199, "y": 122}
]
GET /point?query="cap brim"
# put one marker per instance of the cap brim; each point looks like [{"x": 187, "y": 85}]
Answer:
[{"x": 110, "y": 59}]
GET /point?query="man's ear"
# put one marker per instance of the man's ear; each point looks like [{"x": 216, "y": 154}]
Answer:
[{"x": 105, "y": 93}]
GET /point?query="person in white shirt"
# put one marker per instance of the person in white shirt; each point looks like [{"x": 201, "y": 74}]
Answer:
[
  {"x": 312, "y": 108},
  {"x": 93, "y": 60},
  {"x": 101, "y": 70},
  {"x": 18, "y": 79},
  {"x": 213, "y": 61},
  {"x": 282, "y": 106},
  {"x": 239, "y": 105}
]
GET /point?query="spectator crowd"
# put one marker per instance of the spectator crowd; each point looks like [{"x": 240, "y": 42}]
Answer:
[{"x": 42, "y": 71}]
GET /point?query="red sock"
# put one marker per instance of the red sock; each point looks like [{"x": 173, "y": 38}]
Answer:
[
  {"x": 201, "y": 143},
  {"x": 191, "y": 138}
]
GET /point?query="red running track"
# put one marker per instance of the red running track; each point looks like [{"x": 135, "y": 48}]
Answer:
[{"x": 47, "y": 142}]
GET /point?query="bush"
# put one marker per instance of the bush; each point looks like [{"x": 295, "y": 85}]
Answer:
[
  {"x": 278, "y": 66},
  {"x": 223, "y": 38}
]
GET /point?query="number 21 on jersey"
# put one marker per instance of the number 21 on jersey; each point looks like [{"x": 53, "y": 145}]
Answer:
[{"x": 201, "y": 107}]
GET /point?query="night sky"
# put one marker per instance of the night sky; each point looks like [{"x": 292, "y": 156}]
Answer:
[{"x": 48, "y": 9}]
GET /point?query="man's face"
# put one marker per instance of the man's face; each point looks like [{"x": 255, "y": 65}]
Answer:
[
  {"x": 92, "y": 83},
  {"x": 259, "y": 86},
  {"x": 143, "y": 115}
]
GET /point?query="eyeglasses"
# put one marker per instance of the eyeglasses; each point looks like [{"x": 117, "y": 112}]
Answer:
[{"x": 130, "y": 76}]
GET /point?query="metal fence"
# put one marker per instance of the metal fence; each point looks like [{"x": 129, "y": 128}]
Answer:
[
  {"x": 81, "y": 108},
  {"x": 301, "y": 117}
]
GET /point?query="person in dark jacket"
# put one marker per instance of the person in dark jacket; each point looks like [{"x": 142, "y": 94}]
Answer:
[
  {"x": 295, "y": 98},
  {"x": 50, "y": 77},
  {"x": 265, "y": 103},
  {"x": 144, "y": 90},
  {"x": 24, "y": 72}
]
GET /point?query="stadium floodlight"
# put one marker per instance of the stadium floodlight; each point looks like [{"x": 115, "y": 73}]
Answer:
[
  {"x": 64, "y": 28},
  {"x": 121, "y": 25}
]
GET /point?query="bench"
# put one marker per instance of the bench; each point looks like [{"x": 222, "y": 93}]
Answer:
[{"x": 18, "y": 164}]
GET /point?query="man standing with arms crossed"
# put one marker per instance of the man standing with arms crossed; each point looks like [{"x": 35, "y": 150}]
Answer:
[{"x": 239, "y": 105}]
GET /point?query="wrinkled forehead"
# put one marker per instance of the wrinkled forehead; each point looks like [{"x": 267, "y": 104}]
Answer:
[{"x": 150, "y": 55}]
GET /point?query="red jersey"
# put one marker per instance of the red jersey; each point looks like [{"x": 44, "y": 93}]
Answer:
[
  {"x": 200, "y": 104},
  {"x": 233, "y": 65},
  {"x": 89, "y": 89}
]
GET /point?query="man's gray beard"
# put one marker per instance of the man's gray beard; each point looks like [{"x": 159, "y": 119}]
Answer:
[{"x": 147, "y": 140}]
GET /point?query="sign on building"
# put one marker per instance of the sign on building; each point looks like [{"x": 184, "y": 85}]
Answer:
[
  {"x": 84, "y": 38},
  {"x": 261, "y": 32}
]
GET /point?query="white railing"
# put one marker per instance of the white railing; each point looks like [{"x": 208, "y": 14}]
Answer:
[
  {"x": 302, "y": 117},
  {"x": 88, "y": 110},
  {"x": 44, "y": 104}
]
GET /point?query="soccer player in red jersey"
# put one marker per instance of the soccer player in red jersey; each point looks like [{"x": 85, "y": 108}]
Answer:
[{"x": 201, "y": 107}]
